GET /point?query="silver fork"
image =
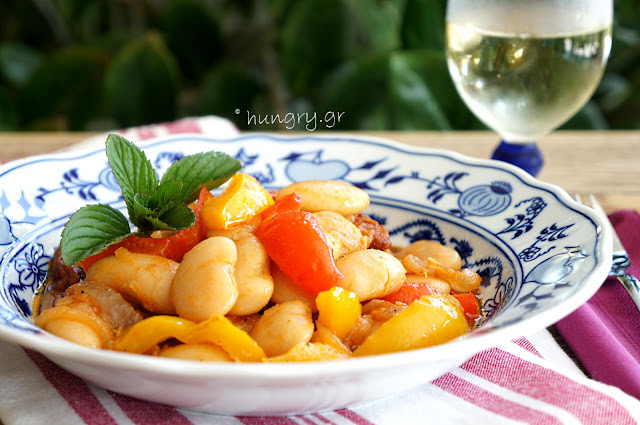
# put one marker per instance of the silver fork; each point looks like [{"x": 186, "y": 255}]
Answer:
[{"x": 621, "y": 261}]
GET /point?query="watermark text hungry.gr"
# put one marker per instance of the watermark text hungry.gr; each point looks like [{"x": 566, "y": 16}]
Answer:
[{"x": 309, "y": 120}]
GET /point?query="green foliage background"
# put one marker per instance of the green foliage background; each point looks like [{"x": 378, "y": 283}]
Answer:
[{"x": 102, "y": 64}]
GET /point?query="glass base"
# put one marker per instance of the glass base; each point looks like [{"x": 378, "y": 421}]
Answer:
[{"x": 526, "y": 156}]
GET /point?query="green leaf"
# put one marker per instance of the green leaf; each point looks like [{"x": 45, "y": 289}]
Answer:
[
  {"x": 375, "y": 25},
  {"x": 193, "y": 35},
  {"x": 23, "y": 21},
  {"x": 66, "y": 85},
  {"x": 423, "y": 25},
  {"x": 280, "y": 10},
  {"x": 612, "y": 91},
  {"x": 625, "y": 51},
  {"x": 149, "y": 210},
  {"x": 142, "y": 82},
  {"x": 627, "y": 114},
  {"x": 208, "y": 169},
  {"x": 141, "y": 214},
  {"x": 18, "y": 62},
  {"x": 8, "y": 110},
  {"x": 111, "y": 44},
  {"x": 414, "y": 101},
  {"x": 321, "y": 35},
  {"x": 350, "y": 92},
  {"x": 589, "y": 117},
  {"x": 314, "y": 42},
  {"x": 132, "y": 170},
  {"x": 627, "y": 12},
  {"x": 152, "y": 222},
  {"x": 90, "y": 230},
  {"x": 228, "y": 88},
  {"x": 178, "y": 217},
  {"x": 166, "y": 193},
  {"x": 413, "y": 91}
]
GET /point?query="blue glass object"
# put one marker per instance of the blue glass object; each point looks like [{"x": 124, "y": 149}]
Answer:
[{"x": 526, "y": 156}]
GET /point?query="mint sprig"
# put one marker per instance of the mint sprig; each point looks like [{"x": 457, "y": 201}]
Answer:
[{"x": 151, "y": 204}]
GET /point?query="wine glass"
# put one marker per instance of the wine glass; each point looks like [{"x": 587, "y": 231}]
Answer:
[{"x": 524, "y": 67}]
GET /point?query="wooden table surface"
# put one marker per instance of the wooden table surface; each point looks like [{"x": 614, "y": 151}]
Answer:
[{"x": 606, "y": 163}]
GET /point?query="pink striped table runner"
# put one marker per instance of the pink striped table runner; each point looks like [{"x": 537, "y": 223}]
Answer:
[{"x": 530, "y": 380}]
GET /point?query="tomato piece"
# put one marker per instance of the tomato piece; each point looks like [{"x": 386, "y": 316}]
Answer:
[
  {"x": 294, "y": 241},
  {"x": 408, "y": 292}
]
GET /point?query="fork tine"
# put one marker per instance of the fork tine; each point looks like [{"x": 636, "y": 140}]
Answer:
[
  {"x": 617, "y": 245},
  {"x": 596, "y": 205}
]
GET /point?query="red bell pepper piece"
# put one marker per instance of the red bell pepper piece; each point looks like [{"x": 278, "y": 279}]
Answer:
[
  {"x": 471, "y": 306},
  {"x": 289, "y": 202},
  {"x": 294, "y": 241},
  {"x": 181, "y": 242},
  {"x": 469, "y": 303},
  {"x": 411, "y": 291},
  {"x": 153, "y": 246},
  {"x": 408, "y": 292},
  {"x": 173, "y": 247}
]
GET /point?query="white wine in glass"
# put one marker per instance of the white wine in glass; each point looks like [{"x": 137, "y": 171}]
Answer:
[{"x": 524, "y": 67}]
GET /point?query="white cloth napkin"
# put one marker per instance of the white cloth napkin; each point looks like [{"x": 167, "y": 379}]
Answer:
[{"x": 530, "y": 380}]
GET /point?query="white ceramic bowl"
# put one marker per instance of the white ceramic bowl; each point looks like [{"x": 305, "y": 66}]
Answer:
[{"x": 541, "y": 256}]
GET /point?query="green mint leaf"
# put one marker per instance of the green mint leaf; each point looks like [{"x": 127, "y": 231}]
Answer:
[
  {"x": 175, "y": 217},
  {"x": 178, "y": 217},
  {"x": 147, "y": 209},
  {"x": 155, "y": 224},
  {"x": 170, "y": 216},
  {"x": 132, "y": 170},
  {"x": 141, "y": 213},
  {"x": 143, "y": 203},
  {"x": 166, "y": 193},
  {"x": 91, "y": 230},
  {"x": 208, "y": 169}
]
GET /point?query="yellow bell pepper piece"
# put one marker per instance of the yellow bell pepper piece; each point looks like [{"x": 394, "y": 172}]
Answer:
[
  {"x": 429, "y": 320},
  {"x": 338, "y": 310},
  {"x": 218, "y": 330},
  {"x": 143, "y": 335},
  {"x": 240, "y": 201},
  {"x": 308, "y": 352},
  {"x": 236, "y": 342}
]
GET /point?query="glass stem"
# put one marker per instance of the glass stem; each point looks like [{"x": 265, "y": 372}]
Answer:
[{"x": 524, "y": 155}]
